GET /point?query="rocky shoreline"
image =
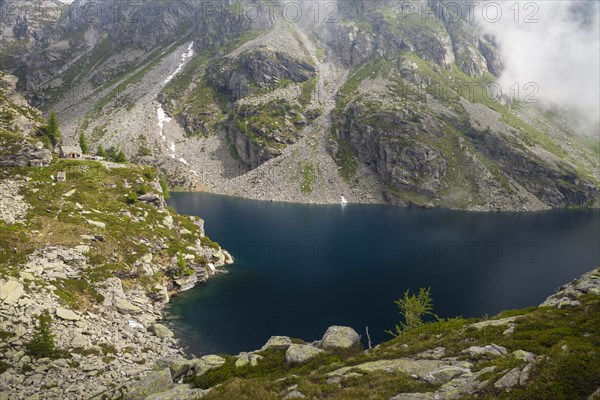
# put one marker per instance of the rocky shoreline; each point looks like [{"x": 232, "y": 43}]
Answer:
[
  {"x": 454, "y": 377},
  {"x": 104, "y": 347}
]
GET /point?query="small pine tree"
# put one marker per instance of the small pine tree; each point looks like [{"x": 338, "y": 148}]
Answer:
[
  {"x": 83, "y": 143},
  {"x": 53, "y": 129},
  {"x": 120, "y": 157},
  {"x": 42, "y": 344},
  {"x": 413, "y": 309},
  {"x": 101, "y": 152},
  {"x": 111, "y": 153},
  {"x": 165, "y": 187}
]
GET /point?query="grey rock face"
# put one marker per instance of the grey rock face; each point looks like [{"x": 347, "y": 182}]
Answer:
[
  {"x": 257, "y": 69},
  {"x": 554, "y": 186},
  {"x": 187, "y": 282},
  {"x": 396, "y": 152},
  {"x": 28, "y": 155},
  {"x": 154, "y": 200}
]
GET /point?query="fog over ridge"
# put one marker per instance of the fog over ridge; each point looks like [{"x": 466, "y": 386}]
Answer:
[{"x": 556, "y": 45}]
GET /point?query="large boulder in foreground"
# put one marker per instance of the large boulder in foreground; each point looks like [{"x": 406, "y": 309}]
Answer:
[
  {"x": 339, "y": 337},
  {"x": 277, "y": 343},
  {"x": 10, "y": 291},
  {"x": 178, "y": 365},
  {"x": 179, "y": 392},
  {"x": 301, "y": 353},
  {"x": 206, "y": 363},
  {"x": 154, "y": 382}
]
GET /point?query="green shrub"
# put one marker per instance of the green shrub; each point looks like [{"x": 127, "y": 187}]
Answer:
[
  {"x": 101, "y": 152},
  {"x": 83, "y": 143},
  {"x": 120, "y": 157},
  {"x": 3, "y": 366},
  {"x": 205, "y": 241},
  {"x": 142, "y": 190},
  {"x": 42, "y": 344},
  {"x": 144, "y": 150},
  {"x": 182, "y": 267},
  {"x": 413, "y": 308},
  {"x": 165, "y": 187},
  {"x": 53, "y": 129},
  {"x": 131, "y": 198},
  {"x": 149, "y": 174}
]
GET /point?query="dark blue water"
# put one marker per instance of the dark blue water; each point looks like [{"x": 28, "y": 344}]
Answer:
[{"x": 302, "y": 268}]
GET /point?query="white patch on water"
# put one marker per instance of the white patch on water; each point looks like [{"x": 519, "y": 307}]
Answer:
[
  {"x": 184, "y": 59},
  {"x": 181, "y": 160},
  {"x": 172, "y": 147}
]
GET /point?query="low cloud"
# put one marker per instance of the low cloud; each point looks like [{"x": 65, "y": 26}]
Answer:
[{"x": 556, "y": 46}]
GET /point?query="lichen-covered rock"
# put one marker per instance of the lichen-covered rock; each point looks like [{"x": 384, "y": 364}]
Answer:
[
  {"x": 445, "y": 374},
  {"x": 66, "y": 314},
  {"x": 413, "y": 396},
  {"x": 524, "y": 355},
  {"x": 244, "y": 359},
  {"x": 489, "y": 350},
  {"x": 277, "y": 343},
  {"x": 493, "y": 322},
  {"x": 339, "y": 337},
  {"x": 179, "y": 366},
  {"x": 187, "y": 282},
  {"x": 568, "y": 295},
  {"x": 525, "y": 374},
  {"x": 10, "y": 291},
  {"x": 206, "y": 363},
  {"x": 510, "y": 380},
  {"x": 301, "y": 353},
  {"x": 161, "y": 331},
  {"x": 179, "y": 392},
  {"x": 154, "y": 382},
  {"x": 123, "y": 306},
  {"x": 420, "y": 368}
]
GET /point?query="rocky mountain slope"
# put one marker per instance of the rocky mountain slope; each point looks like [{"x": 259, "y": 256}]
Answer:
[
  {"x": 365, "y": 99},
  {"x": 99, "y": 251},
  {"x": 88, "y": 263}
]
